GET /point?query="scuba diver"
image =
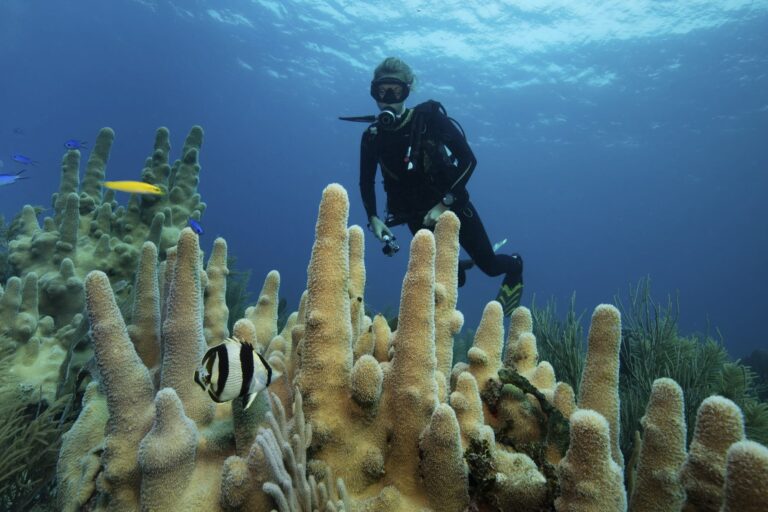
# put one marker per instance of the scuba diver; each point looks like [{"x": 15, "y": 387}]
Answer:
[{"x": 425, "y": 162}]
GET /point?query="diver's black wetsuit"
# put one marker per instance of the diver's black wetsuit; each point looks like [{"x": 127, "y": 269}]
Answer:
[{"x": 412, "y": 193}]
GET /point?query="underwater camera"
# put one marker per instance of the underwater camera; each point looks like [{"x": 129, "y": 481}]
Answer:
[{"x": 390, "y": 246}]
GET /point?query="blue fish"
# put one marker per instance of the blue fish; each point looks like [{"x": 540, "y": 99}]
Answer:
[
  {"x": 196, "y": 227},
  {"x": 22, "y": 159},
  {"x": 75, "y": 144},
  {"x": 7, "y": 179}
]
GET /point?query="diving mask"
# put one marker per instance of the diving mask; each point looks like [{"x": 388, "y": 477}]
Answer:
[{"x": 389, "y": 89}]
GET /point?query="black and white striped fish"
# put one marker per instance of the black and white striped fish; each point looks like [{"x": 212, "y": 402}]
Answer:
[{"x": 232, "y": 369}]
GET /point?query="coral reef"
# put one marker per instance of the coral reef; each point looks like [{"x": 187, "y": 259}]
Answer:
[
  {"x": 42, "y": 305},
  {"x": 379, "y": 420},
  {"x": 369, "y": 415},
  {"x": 45, "y": 350},
  {"x": 167, "y": 445}
]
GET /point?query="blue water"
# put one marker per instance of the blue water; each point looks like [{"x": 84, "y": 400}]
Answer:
[{"x": 613, "y": 142}]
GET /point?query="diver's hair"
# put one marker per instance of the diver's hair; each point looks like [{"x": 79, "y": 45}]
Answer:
[{"x": 392, "y": 66}]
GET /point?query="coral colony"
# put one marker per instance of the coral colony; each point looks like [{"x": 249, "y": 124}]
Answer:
[{"x": 361, "y": 418}]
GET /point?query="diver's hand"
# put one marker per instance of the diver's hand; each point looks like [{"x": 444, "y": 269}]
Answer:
[
  {"x": 432, "y": 215},
  {"x": 378, "y": 228}
]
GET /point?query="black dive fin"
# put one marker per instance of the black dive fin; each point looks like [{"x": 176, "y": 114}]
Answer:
[{"x": 509, "y": 295}]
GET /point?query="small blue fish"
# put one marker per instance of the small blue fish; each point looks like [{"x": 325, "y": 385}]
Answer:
[
  {"x": 7, "y": 179},
  {"x": 18, "y": 131},
  {"x": 75, "y": 144},
  {"x": 196, "y": 227},
  {"x": 22, "y": 159}
]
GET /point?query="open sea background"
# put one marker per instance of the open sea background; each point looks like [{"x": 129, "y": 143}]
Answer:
[{"x": 615, "y": 140}]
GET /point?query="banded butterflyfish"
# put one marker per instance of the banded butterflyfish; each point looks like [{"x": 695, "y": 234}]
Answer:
[{"x": 234, "y": 369}]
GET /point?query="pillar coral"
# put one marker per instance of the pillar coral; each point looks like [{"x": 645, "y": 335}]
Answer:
[
  {"x": 183, "y": 340},
  {"x": 595, "y": 422},
  {"x": 663, "y": 451},
  {"x": 564, "y": 399},
  {"x": 80, "y": 458},
  {"x": 167, "y": 454},
  {"x": 517, "y": 419},
  {"x": 412, "y": 376},
  {"x": 326, "y": 352},
  {"x": 719, "y": 424},
  {"x": 216, "y": 311},
  {"x": 343, "y": 436},
  {"x": 590, "y": 480},
  {"x": 599, "y": 388},
  {"x": 88, "y": 230},
  {"x": 373, "y": 410},
  {"x": 448, "y": 320},
  {"x": 264, "y": 314},
  {"x": 485, "y": 354},
  {"x": 518, "y": 408},
  {"x": 19, "y": 315},
  {"x": 339, "y": 399},
  {"x": 369, "y": 441},
  {"x": 382, "y": 338},
  {"x": 520, "y": 322},
  {"x": 543, "y": 378},
  {"x": 466, "y": 402},
  {"x": 297, "y": 337},
  {"x": 746, "y": 476},
  {"x": 444, "y": 470},
  {"x": 525, "y": 354},
  {"x": 144, "y": 329},
  {"x": 129, "y": 396},
  {"x": 517, "y": 481},
  {"x": 163, "y": 448},
  {"x": 357, "y": 280}
]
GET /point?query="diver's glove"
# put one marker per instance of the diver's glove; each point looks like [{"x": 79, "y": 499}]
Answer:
[
  {"x": 432, "y": 215},
  {"x": 378, "y": 228}
]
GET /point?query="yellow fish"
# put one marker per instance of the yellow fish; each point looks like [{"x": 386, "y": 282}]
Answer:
[{"x": 134, "y": 187}]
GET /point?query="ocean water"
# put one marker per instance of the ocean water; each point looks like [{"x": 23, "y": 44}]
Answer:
[{"x": 615, "y": 141}]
